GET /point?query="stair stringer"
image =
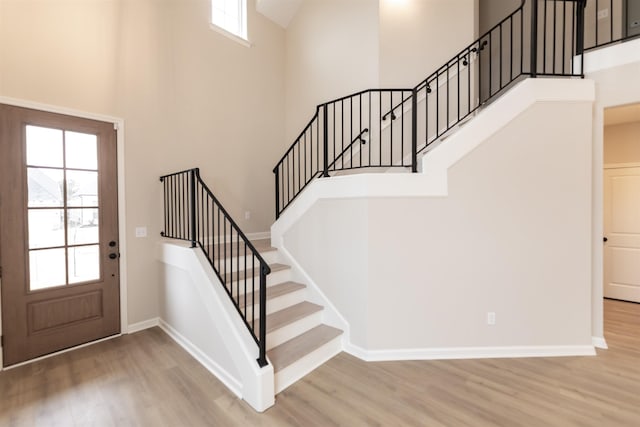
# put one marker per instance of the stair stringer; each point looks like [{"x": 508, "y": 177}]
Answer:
[
  {"x": 330, "y": 314},
  {"x": 217, "y": 314},
  {"x": 432, "y": 181}
]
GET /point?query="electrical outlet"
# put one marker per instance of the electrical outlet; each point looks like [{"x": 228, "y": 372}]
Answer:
[
  {"x": 604, "y": 13},
  {"x": 141, "y": 231},
  {"x": 491, "y": 318},
  {"x": 247, "y": 215}
]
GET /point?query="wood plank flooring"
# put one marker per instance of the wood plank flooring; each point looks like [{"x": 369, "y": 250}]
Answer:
[{"x": 145, "y": 379}]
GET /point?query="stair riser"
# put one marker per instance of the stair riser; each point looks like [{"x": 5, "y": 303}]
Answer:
[
  {"x": 270, "y": 257},
  {"x": 279, "y": 303},
  {"x": 292, "y": 330},
  {"x": 272, "y": 279},
  {"x": 305, "y": 365}
]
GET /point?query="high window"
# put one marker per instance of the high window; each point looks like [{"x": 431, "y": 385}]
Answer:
[{"x": 231, "y": 16}]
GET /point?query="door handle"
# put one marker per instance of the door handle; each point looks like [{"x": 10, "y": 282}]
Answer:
[
  {"x": 112, "y": 243},
  {"x": 113, "y": 256},
  {"x": 604, "y": 239}
]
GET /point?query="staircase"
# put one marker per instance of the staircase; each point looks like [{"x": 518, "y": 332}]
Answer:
[
  {"x": 378, "y": 130},
  {"x": 297, "y": 340}
]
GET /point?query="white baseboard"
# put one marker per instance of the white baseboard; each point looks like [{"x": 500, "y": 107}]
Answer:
[
  {"x": 469, "y": 352},
  {"x": 141, "y": 326},
  {"x": 232, "y": 384},
  {"x": 599, "y": 342}
]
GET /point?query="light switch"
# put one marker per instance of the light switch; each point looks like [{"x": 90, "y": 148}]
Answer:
[{"x": 141, "y": 231}]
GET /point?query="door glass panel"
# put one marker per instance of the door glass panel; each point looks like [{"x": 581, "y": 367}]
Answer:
[
  {"x": 44, "y": 146},
  {"x": 81, "y": 150},
  {"x": 47, "y": 268},
  {"x": 82, "y": 226},
  {"x": 45, "y": 187},
  {"x": 84, "y": 263},
  {"x": 46, "y": 228},
  {"x": 82, "y": 188},
  {"x": 63, "y": 208}
]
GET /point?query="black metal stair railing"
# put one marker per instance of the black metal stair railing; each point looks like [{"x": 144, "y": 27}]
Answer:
[
  {"x": 194, "y": 214},
  {"x": 390, "y": 127},
  {"x": 610, "y": 21}
]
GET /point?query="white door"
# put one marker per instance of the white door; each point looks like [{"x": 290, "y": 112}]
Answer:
[{"x": 622, "y": 233}]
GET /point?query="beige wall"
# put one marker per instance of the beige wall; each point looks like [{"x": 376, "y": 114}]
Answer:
[
  {"x": 338, "y": 47},
  {"x": 622, "y": 143},
  {"x": 418, "y": 36},
  {"x": 188, "y": 95},
  {"x": 431, "y": 268},
  {"x": 331, "y": 51},
  {"x": 493, "y": 11}
]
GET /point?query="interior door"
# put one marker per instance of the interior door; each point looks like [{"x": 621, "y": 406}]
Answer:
[
  {"x": 622, "y": 233},
  {"x": 58, "y": 232}
]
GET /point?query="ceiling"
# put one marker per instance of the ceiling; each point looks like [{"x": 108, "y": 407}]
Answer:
[
  {"x": 621, "y": 115},
  {"x": 279, "y": 11}
]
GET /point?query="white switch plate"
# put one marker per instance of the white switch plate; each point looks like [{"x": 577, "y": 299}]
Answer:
[
  {"x": 141, "y": 231},
  {"x": 604, "y": 13},
  {"x": 491, "y": 318}
]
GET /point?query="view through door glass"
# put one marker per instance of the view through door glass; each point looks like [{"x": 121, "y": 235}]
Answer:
[
  {"x": 63, "y": 208},
  {"x": 58, "y": 229}
]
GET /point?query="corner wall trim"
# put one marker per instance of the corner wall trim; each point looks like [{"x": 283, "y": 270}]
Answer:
[
  {"x": 599, "y": 342},
  {"x": 141, "y": 326},
  {"x": 211, "y": 366},
  {"x": 469, "y": 352}
]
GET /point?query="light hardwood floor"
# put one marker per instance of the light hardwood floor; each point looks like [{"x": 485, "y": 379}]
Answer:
[{"x": 145, "y": 379}]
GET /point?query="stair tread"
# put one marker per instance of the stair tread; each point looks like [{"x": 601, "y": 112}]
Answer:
[
  {"x": 287, "y": 353},
  {"x": 281, "y": 289},
  {"x": 290, "y": 314},
  {"x": 251, "y": 272}
]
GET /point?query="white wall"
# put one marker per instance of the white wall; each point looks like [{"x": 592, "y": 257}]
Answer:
[
  {"x": 195, "y": 310},
  {"x": 416, "y": 276},
  {"x": 622, "y": 143},
  {"x": 189, "y": 97}
]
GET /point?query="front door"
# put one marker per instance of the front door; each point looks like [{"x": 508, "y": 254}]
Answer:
[
  {"x": 622, "y": 233},
  {"x": 58, "y": 232}
]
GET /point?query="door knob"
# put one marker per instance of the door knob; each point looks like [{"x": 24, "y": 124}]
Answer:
[
  {"x": 113, "y": 256},
  {"x": 112, "y": 243},
  {"x": 605, "y": 239}
]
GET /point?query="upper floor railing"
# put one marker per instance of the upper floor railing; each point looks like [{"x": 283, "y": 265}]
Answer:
[
  {"x": 194, "y": 214},
  {"x": 390, "y": 127},
  {"x": 610, "y": 21}
]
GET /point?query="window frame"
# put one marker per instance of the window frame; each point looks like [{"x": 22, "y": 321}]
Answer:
[{"x": 242, "y": 37}]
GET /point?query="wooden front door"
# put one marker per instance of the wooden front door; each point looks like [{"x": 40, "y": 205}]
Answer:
[{"x": 58, "y": 232}]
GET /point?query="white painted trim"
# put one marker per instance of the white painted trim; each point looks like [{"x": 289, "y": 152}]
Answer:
[
  {"x": 433, "y": 180},
  {"x": 232, "y": 384},
  {"x": 612, "y": 56},
  {"x": 599, "y": 342},
  {"x": 621, "y": 165},
  {"x": 330, "y": 315},
  {"x": 446, "y": 353},
  {"x": 66, "y": 350},
  {"x": 141, "y": 326},
  {"x": 230, "y": 35},
  {"x": 122, "y": 220}
]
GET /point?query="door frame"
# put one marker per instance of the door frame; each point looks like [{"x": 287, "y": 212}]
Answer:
[{"x": 118, "y": 124}]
